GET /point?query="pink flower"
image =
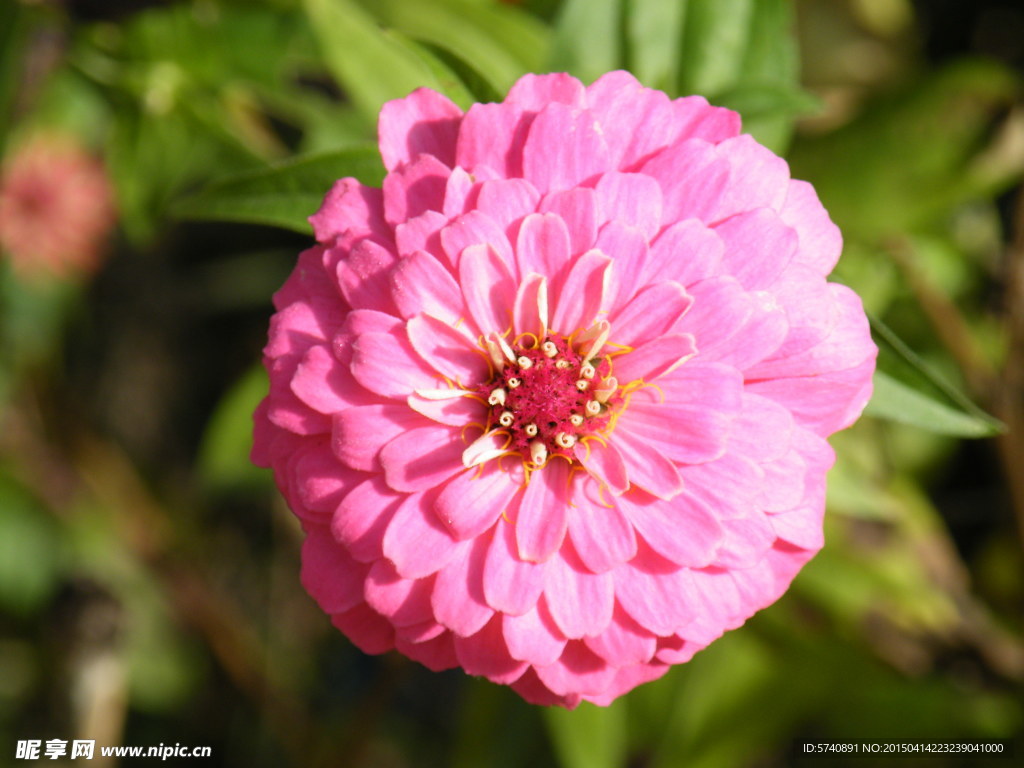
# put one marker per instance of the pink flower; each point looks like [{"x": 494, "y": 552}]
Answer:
[
  {"x": 551, "y": 405},
  {"x": 56, "y": 208}
]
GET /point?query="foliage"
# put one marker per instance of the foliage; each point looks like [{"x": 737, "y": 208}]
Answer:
[{"x": 134, "y": 532}]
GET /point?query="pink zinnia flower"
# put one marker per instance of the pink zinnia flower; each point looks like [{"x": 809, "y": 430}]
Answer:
[
  {"x": 56, "y": 208},
  {"x": 551, "y": 405}
]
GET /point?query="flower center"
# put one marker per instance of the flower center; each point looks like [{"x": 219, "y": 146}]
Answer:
[{"x": 548, "y": 394}]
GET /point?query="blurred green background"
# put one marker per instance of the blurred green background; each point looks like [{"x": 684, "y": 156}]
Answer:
[{"x": 149, "y": 574}]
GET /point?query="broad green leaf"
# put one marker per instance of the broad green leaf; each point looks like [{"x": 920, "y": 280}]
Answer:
[
  {"x": 909, "y": 159},
  {"x": 590, "y": 736},
  {"x": 896, "y": 401},
  {"x": 716, "y": 34},
  {"x": 283, "y": 196},
  {"x": 29, "y": 551},
  {"x": 909, "y": 391},
  {"x": 653, "y": 29},
  {"x": 588, "y": 38},
  {"x": 743, "y": 54},
  {"x": 224, "y": 453},
  {"x": 369, "y": 66},
  {"x": 499, "y": 43}
]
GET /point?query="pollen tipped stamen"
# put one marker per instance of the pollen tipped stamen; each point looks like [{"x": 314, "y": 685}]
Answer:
[
  {"x": 593, "y": 408},
  {"x": 549, "y": 349},
  {"x": 514, "y": 382},
  {"x": 506, "y": 419},
  {"x": 563, "y": 364},
  {"x": 606, "y": 390},
  {"x": 497, "y": 397},
  {"x": 524, "y": 362},
  {"x": 576, "y": 420},
  {"x": 582, "y": 385},
  {"x": 587, "y": 371},
  {"x": 565, "y": 440},
  {"x": 538, "y": 452},
  {"x": 530, "y": 430}
]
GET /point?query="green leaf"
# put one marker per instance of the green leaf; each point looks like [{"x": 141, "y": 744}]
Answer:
[
  {"x": 224, "y": 453},
  {"x": 588, "y": 38},
  {"x": 29, "y": 550},
  {"x": 653, "y": 30},
  {"x": 369, "y": 66},
  {"x": 910, "y": 391},
  {"x": 283, "y": 196},
  {"x": 716, "y": 34},
  {"x": 908, "y": 160},
  {"x": 589, "y": 737},
  {"x": 498, "y": 42}
]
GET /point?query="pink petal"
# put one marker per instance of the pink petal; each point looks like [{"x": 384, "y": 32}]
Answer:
[
  {"x": 459, "y": 193},
  {"x": 421, "y": 284},
  {"x": 511, "y": 585},
  {"x": 533, "y": 636},
  {"x": 446, "y": 350},
  {"x": 579, "y": 670},
  {"x": 684, "y": 530},
  {"x": 363, "y": 277},
  {"x": 720, "y": 309},
  {"x": 414, "y": 189},
  {"x": 363, "y": 516},
  {"x": 763, "y": 430},
  {"x": 820, "y": 239},
  {"x": 703, "y": 121},
  {"x": 783, "y": 482},
  {"x": 583, "y": 293},
  {"x": 541, "y": 524},
  {"x": 492, "y": 136},
  {"x": 628, "y": 249},
  {"x": 647, "y": 468},
  {"x": 801, "y": 526},
  {"x": 758, "y": 247},
  {"x": 655, "y": 593},
  {"x": 350, "y": 208},
  {"x": 550, "y": 161},
  {"x": 488, "y": 288},
  {"x": 415, "y": 540},
  {"x": 655, "y": 358},
  {"x": 359, "y": 433},
  {"x": 651, "y": 313},
  {"x": 475, "y": 229},
  {"x": 424, "y": 122},
  {"x": 758, "y": 178},
  {"x": 456, "y": 411},
  {"x": 387, "y": 364},
  {"x": 472, "y": 502},
  {"x": 436, "y": 654},
  {"x": 368, "y": 630},
  {"x": 746, "y": 540},
  {"x": 626, "y": 679},
  {"x": 623, "y": 641},
  {"x": 687, "y": 252},
  {"x": 692, "y": 178},
  {"x": 729, "y": 485},
  {"x": 458, "y": 596},
  {"x": 486, "y": 654},
  {"x": 543, "y": 248},
  {"x": 581, "y": 602},
  {"x": 323, "y": 384},
  {"x": 329, "y": 573},
  {"x": 688, "y": 434},
  {"x": 422, "y": 233},
  {"x": 422, "y": 458},
  {"x": 604, "y": 463},
  {"x": 507, "y": 201},
  {"x": 534, "y": 92},
  {"x": 534, "y": 691},
  {"x": 824, "y": 403},
  {"x": 320, "y": 482},
  {"x": 578, "y": 209},
  {"x": 531, "y": 307},
  {"x": 404, "y": 602},
  {"x": 601, "y": 535},
  {"x": 633, "y": 199},
  {"x": 636, "y": 121}
]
